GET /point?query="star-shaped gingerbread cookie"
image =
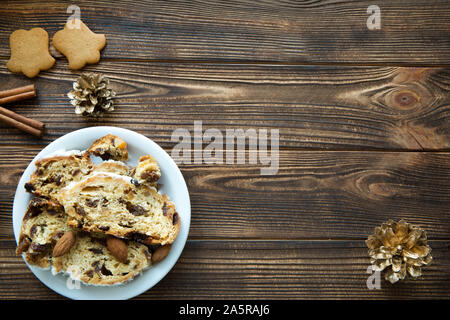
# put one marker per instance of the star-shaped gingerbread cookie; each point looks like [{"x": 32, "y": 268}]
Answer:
[
  {"x": 29, "y": 52},
  {"x": 79, "y": 44}
]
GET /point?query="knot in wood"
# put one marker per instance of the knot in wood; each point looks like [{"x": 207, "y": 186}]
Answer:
[{"x": 405, "y": 99}]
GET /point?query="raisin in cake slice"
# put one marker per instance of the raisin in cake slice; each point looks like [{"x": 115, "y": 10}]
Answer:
[
  {"x": 90, "y": 261},
  {"x": 43, "y": 225},
  {"x": 113, "y": 204},
  {"x": 54, "y": 172}
]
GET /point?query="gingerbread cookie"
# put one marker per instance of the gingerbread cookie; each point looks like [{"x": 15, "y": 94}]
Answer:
[
  {"x": 29, "y": 52},
  {"x": 79, "y": 44}
]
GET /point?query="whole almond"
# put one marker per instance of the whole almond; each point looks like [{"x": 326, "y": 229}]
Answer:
[
  {"x": 161, "y": 253},
  {"x": 64, "y": 244},
  {"x": 118, "y": 248}
]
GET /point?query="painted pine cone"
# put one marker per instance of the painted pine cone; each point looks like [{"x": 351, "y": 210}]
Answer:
[
  {"x": 399, "y": 249},
  {"x": 91, "y": 95}
]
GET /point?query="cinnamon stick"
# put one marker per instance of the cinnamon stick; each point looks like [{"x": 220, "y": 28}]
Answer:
[
  {"x": 31, "y": 126},
  {"x": 30, "y": 122},
  {"x": 20, "y": 125},
  {"x": 15, "y": 91},
  {"x": 18, "y": 97}
]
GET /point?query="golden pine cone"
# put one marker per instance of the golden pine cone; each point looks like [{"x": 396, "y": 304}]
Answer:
[
  {"x": 399, "y": 248},
  {"x": 91, "y": 95}
]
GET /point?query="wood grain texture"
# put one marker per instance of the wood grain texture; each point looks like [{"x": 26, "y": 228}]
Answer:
[
  {"x": 259, "y": 270},
  {"x": 315, "y": 194},
  {"x": 412, "y": 32},
  {"x": 314, "y": 107},
  {"x": 363, "y": 118}
]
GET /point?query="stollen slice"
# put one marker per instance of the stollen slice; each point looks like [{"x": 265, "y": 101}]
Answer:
[
  {"x": 88, "y": 257},
  {"x": 91, "y": 262},
  {"x": 110, "y": 147},
  {"x": 43, "y": 224},
  {"x": 112, "y": 204},
  {"x": 56, "y": 171}
]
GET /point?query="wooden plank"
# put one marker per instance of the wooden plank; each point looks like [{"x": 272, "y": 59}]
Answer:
[
  {"x": 313, "y": 107},
  {"x": 314, "y": 195},
  {"x": 260, "y": 270},
  {"x": 412, "y": 32}
]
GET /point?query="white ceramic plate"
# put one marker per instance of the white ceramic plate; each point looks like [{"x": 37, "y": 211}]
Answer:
[{"x": 173, "y": 185}]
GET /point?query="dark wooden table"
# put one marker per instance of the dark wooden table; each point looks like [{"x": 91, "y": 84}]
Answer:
[{"x": 363, "y": 117}]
